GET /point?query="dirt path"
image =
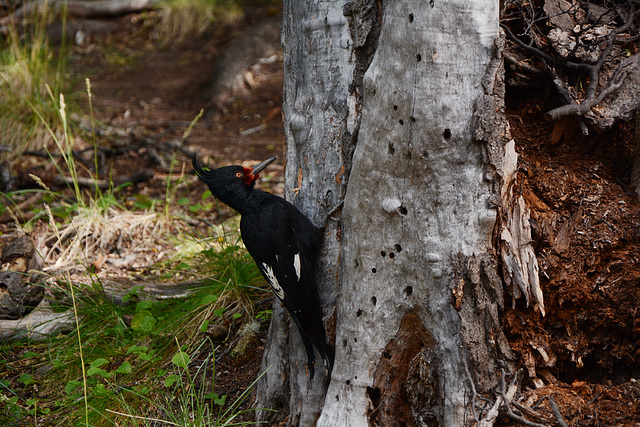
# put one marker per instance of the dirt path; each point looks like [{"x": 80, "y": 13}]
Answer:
[{"x": 155, "y": 90}]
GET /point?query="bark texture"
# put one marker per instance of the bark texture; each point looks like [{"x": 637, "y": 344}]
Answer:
[
  {"x": 327, "y": 47},
  {"x": 420, "y": 280},
  {"x": 38, "y": 325},
  {"x": 397, "y": 109}
]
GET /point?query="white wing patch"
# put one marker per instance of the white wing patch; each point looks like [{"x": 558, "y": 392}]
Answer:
[
  {"x": 296, "y": 264},
  {"x": 271, "y": 278}
]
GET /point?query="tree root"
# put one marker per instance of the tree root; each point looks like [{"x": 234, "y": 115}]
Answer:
[
  {"x": 554, "y": 67},
  {"x": 486, "y": 415}
]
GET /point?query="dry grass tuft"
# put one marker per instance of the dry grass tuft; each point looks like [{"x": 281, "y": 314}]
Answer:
[
  {"x": 100, "y": 239},
  {"x": 179, "y": 19}
]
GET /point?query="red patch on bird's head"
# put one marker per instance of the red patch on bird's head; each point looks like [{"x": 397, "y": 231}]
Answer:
[{"x": 249, "y": 177}]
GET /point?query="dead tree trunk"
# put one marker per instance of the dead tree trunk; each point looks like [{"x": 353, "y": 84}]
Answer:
[
  {"x": 416, "y": 89},
  {"x": 323, "y": 66}
]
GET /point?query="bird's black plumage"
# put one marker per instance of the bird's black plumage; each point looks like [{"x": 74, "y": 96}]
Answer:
[{"x": 283, "y": 243}]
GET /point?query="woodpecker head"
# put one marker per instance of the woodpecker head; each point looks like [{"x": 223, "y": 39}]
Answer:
[{"x": 230, "y": 184}]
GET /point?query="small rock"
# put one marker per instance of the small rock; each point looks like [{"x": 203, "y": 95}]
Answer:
[{"x": 218, "y": 332}]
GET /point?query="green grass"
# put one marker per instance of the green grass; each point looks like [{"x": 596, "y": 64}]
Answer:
[
  {"x": 134, "y": 362},
  {"x": 25, "y": 69},
  {"x": 139, "y": 362},
  {"x": 128, "y": 364}
]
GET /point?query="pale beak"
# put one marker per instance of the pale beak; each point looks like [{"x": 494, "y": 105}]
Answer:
[{"x": 260, "y": 166}]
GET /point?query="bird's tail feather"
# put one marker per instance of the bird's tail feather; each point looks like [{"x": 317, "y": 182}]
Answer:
[
  {"x": 318, "y": 341},
  {"x": 311, "y": 358}
]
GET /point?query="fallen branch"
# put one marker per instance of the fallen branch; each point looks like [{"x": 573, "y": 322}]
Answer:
[
  {"x": 115, "y": 289},
  {"x": 102, "y": 184},
  {"x": 40, "y": 324},
  {"x": 582, "y": 40},
  {"x": 556, "y": 411},
  {"x": 504, "y": 401},
  {"x": 85, "y": 9}
]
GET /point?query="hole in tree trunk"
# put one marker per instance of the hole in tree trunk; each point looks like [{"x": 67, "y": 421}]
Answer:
[{"x": 374, "y": 395}]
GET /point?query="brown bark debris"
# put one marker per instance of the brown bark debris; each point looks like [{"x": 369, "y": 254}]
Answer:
[{"x": 405, "y": 381}]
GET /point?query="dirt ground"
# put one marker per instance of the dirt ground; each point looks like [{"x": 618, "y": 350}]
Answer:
[{"x": 585, "y": 352}]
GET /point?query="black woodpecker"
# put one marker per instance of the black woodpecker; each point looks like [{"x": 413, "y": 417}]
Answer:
[{"x": 283, "y": 243}]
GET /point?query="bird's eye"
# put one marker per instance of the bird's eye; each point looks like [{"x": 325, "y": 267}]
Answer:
[{"x": 238, "y": 174}]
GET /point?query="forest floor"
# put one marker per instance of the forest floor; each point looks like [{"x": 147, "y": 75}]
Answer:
[
  {"x": 586, "y": 220},
  {"x": 585, "y": 352},
  {"x": 157, "y": 95}
]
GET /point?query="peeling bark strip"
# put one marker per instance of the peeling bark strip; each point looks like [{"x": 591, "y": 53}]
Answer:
[
  {"x": 405, "y": 381},
  {"x": 520, "y": 266}
]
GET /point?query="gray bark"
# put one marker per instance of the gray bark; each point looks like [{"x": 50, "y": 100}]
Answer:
[
  {"x": 416, "y": 89},
  {"x": 419, "y": 177},
  {"x": 320, "y": 121}
]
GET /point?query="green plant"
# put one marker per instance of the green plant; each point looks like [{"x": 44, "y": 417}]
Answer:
[
  {"x": 170, "y": 192},
  {"x": 228, "y": 264},
  {"x": 115, "y": 361},
  {"x": 25, "y": 70},
  {"x": 196, "y": 405}
]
